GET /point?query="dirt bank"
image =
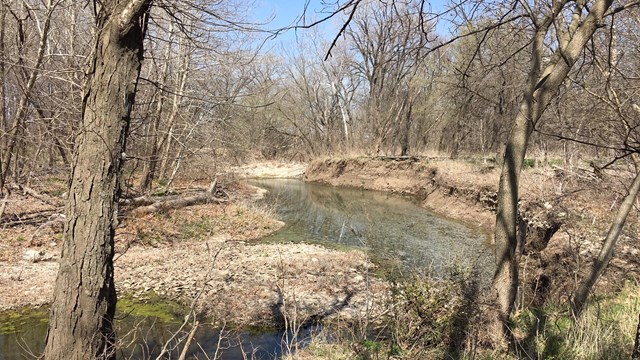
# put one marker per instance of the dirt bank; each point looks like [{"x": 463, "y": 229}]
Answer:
[
  {"x": 459, "y": 192},
  {"x": 208, "y": 250},
  {"x": 564, "y": 213}
]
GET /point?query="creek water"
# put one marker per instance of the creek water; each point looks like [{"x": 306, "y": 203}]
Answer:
[
  {"x": 394, "y": 230},
  {"x": 143, "y": 337}
]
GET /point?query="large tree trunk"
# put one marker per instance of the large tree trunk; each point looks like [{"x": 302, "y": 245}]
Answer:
[
  {"x": 3, "y": 59},
  {"x": 542, "y": 87},
  {"x": 83, "y": 308}
]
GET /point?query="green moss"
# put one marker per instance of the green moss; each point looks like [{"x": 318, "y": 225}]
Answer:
[
  {"x": 153, "y": 306},
  {"x": 198, "y": 229},
  {"x": 165, "y": 192},
  {"x": 528, "y": 163},
  {"x": 22, "y": 319}
]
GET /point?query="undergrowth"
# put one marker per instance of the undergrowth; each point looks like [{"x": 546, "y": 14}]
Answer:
[
  {"x": 605, "y": 331},
  {"x": 441, "y": 319}
]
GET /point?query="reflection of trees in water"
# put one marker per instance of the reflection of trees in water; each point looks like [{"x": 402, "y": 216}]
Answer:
[{"x": 390, "y": 226}]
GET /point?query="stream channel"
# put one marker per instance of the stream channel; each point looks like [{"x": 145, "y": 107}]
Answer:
[{"x": 394, "y": 230}]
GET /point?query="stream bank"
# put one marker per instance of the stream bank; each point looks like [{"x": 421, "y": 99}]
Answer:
[
  {"x": 565, "y": 213},
  {"x": 179, "y": 253}
]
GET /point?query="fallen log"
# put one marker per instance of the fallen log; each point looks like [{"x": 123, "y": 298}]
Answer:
[
  {"x": 34, "y": 218},
  {"x": 44, "y": 198},
  {"x": 164, "y": 206},
  {"x": 398, "y": 158},
  {"x": 211, "y": 196}
]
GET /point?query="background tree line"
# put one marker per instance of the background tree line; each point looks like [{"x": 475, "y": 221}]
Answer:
[{"x": 387, "y": 88}]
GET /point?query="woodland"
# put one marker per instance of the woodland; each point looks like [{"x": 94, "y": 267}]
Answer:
[{"x": 129, "y": 96}]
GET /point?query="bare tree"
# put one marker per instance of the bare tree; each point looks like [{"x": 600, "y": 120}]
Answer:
[
  {"x": 83, "y": 308},
  {"x": 544, "y": 80},
  {"x": 22, "y": 107}
]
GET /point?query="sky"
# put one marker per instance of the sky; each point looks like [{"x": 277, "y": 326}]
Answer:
[{"x": 287, "y": 12}]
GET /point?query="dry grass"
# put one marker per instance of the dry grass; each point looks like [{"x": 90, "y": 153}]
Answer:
[{"x": 237, "y": 221}]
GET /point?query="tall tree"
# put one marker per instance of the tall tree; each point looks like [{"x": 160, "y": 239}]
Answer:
[
  {"x": 543, "y": 84},
  {"x": 83, "y": 308}
]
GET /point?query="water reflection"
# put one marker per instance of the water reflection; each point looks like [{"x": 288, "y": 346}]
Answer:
[
  {"x": 393, "y": 228},
  {"x": 144, "y": 338}
]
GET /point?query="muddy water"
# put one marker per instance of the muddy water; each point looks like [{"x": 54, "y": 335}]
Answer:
[{"x": 395, "y": 230}]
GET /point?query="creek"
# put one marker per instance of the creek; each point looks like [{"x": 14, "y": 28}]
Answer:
[{"x": 394, "y": 230}]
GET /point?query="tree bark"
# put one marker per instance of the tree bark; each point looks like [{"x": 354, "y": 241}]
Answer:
[
  {"x": 83, "y": 308},
  {"x": 635, "y": 355},
  {"x": 582, "y": 293},
  {"x": 543, "y": 86},
  {"x": 3, "y": 59}
]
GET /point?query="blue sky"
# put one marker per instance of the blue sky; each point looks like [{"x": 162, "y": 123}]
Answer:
[{"x": 286, "y": 13}]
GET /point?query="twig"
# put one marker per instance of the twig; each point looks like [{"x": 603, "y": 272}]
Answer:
[
  {"x": 165, "y": 347},
  {"x": 187, "y": 343},
  {"x": 4, "y": 204}
]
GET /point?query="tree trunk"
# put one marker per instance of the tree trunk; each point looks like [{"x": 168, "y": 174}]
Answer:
[
  {"x": 3, "y": 59},
  {"x": 542, "y": 87},
  {"x": 149, "y": 173},
  {"x": 21, "y": 111},
  {"x": 582, "y": 293},
  {"x": 635, "y": 355},
  {"x": 167, "y": 141},
  {"x": 83, "y": 308}
]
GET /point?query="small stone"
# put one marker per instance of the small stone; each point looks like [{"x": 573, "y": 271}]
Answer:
[{"x": 33, "y": 255}]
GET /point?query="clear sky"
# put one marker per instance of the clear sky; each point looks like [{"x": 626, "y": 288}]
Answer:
[{"x": 288, "y": 13}]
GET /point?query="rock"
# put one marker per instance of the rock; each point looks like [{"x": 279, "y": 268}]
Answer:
[{"x": 34, "y": 255}]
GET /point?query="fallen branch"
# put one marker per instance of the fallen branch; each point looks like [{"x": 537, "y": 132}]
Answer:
[
  {"x": 32, "y": 218},
  {"x": 398, "y": 158},
  {"x": 187, "y": 343},
  {"x": 44, "y": 198},
  {"x": 207, "y": 197}
]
